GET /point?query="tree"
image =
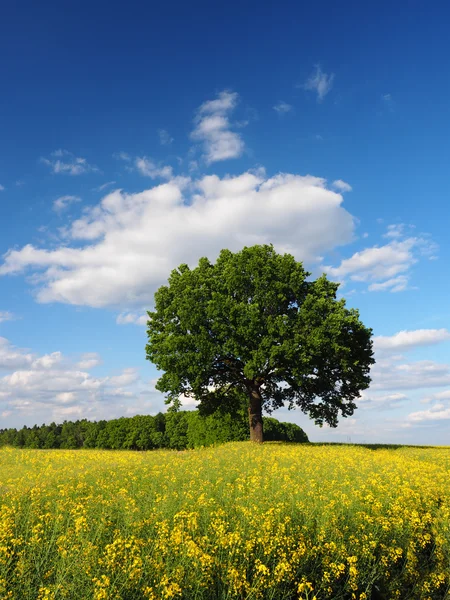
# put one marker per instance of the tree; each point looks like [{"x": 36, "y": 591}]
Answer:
[{"x": 253, "y": 324}]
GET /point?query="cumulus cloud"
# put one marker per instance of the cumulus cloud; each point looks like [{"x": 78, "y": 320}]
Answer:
[
  {"x": 213, "y": 129},
  {"x": 2, "y": 188},
  {"x": 12, "y": 357},
  {"x": 148, "y": 168},
  {"x": 388, "y": 374},
  {"x": 133, "y": 241},
  {"x": 127, "y": 318},
  {"x": 282, "y": 108},
  {"x": 64, "y": 162},
  {"x": 408, "y": 340},
  {"x": 436, "y": 413},
  {"x": 129, "y": 376},
  {"x": 47, "y": 361},
  {"x": 63, "y": 202},
  {"x": 53, "y": 387},
  {"x": 165, "y": 139},
  {"x": 320, "y": 83},
  {"x": 88, "y": 361},
  {"x": 444, "y": 395},
  {"x": 385, "y": 266},
  {"x": 370, "y": 400},
  {"x": 341, "y": 186},
  {"x": 395, "y": 231}
]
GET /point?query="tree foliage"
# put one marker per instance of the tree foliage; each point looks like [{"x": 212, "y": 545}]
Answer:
[{"x": 253, "y": 325}]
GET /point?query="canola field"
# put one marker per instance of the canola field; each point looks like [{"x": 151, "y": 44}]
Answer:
[{"x": 239, "y": 521}]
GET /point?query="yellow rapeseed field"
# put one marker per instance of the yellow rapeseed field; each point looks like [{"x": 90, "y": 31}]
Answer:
[{"x": 239, "y": 521}]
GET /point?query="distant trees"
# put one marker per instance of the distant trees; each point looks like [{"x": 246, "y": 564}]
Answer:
[{"x": 175, "y": 430}]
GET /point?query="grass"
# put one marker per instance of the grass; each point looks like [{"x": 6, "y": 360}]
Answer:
[{"x": 238, "y": 521}]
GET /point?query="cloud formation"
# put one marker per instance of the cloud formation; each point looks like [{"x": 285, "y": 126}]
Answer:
[
  {"x": 133, "y": 241},
  {"x": 53, "y": 387},
  {"x": 282, "y": 108},
  {"x": 6, "y": 315},
  {"x": 130, "y": 318},
  {"x": 396, "y": 284},
  {"x": 165, "y": 139},
  {"x": 385, "y": 268},
  {"x": 63, "y": 202},
  {"x": 102, "y": 187},
  {"x": 390, "y": 374},
  {"x": 88, "y": 361},
  {"x": 408, "y": 340},
  {"x": 341, "y": 186},
  {"x": 320, "y": 83},
  {"x": 64, "y": 162},
  {"x": 438, "y": 412},
  {"x": 12, "y": 357},
  {"x": 213, "y": 129},
  {"x": 148, "y": 168}
]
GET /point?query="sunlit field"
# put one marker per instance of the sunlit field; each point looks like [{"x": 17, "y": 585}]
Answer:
[{"x": 239, "y": 521}]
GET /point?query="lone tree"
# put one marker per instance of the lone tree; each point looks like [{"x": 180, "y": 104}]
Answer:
[{"x": 251, "y": 324}]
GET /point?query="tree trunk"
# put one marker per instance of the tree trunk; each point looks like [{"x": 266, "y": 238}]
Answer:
[{"x": 255, "y": 415}]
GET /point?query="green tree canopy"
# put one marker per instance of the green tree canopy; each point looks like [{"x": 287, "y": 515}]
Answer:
[{"x": 252, "y": 324}]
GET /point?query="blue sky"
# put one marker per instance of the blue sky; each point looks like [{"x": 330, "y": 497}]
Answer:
[{"x": 136, "y": 138}]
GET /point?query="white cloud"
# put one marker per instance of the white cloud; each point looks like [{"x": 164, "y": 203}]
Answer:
[
  {"x": 395, "y": 231},
  {"x": 147, "y": 167},
  {"x": 282, "y": 108},
  {"x": 6, "y": 315},
  {"x": 122, "y": 156},
  {"x": 2, "y": 188},
  {"x": 133, "y": 241},
  {"x": 385, "y": 265},
  {"x": 53, "y": 387},
  {"x": 396, "y": 284},
  {"x": 165, "y": 139},
  {"x": 12, "y": 357},
  {"x": 341, "y": 186},
  {"x": 377, "y": 262},
  {"x": 64, "y": 162},
  {"x": 188, "y": 402},
  {"x": 129, "y": 376},
  {"x": 213, "y": 129},
  {"x": 88, "y": 361},
  {"x": 407, "y": 340},
  {"x": 444, "y": 395},
  {"x": 131, "y": 318},
  {"x": 102, "y": 187},
  {"x": 63, "y": 202},
  {"x": 47, "y": 361},
  {"x": 436, "y": 413},
  {"x": 370, "y": 400},
  {"x": 389, "y": 375},
  {"x": 319, "y": 82}
]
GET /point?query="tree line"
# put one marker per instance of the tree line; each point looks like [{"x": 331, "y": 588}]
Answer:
[{"x": 173, "y": 430}]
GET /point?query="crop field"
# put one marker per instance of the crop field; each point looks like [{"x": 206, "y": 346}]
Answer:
[{"x": 238, "y": 521}]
